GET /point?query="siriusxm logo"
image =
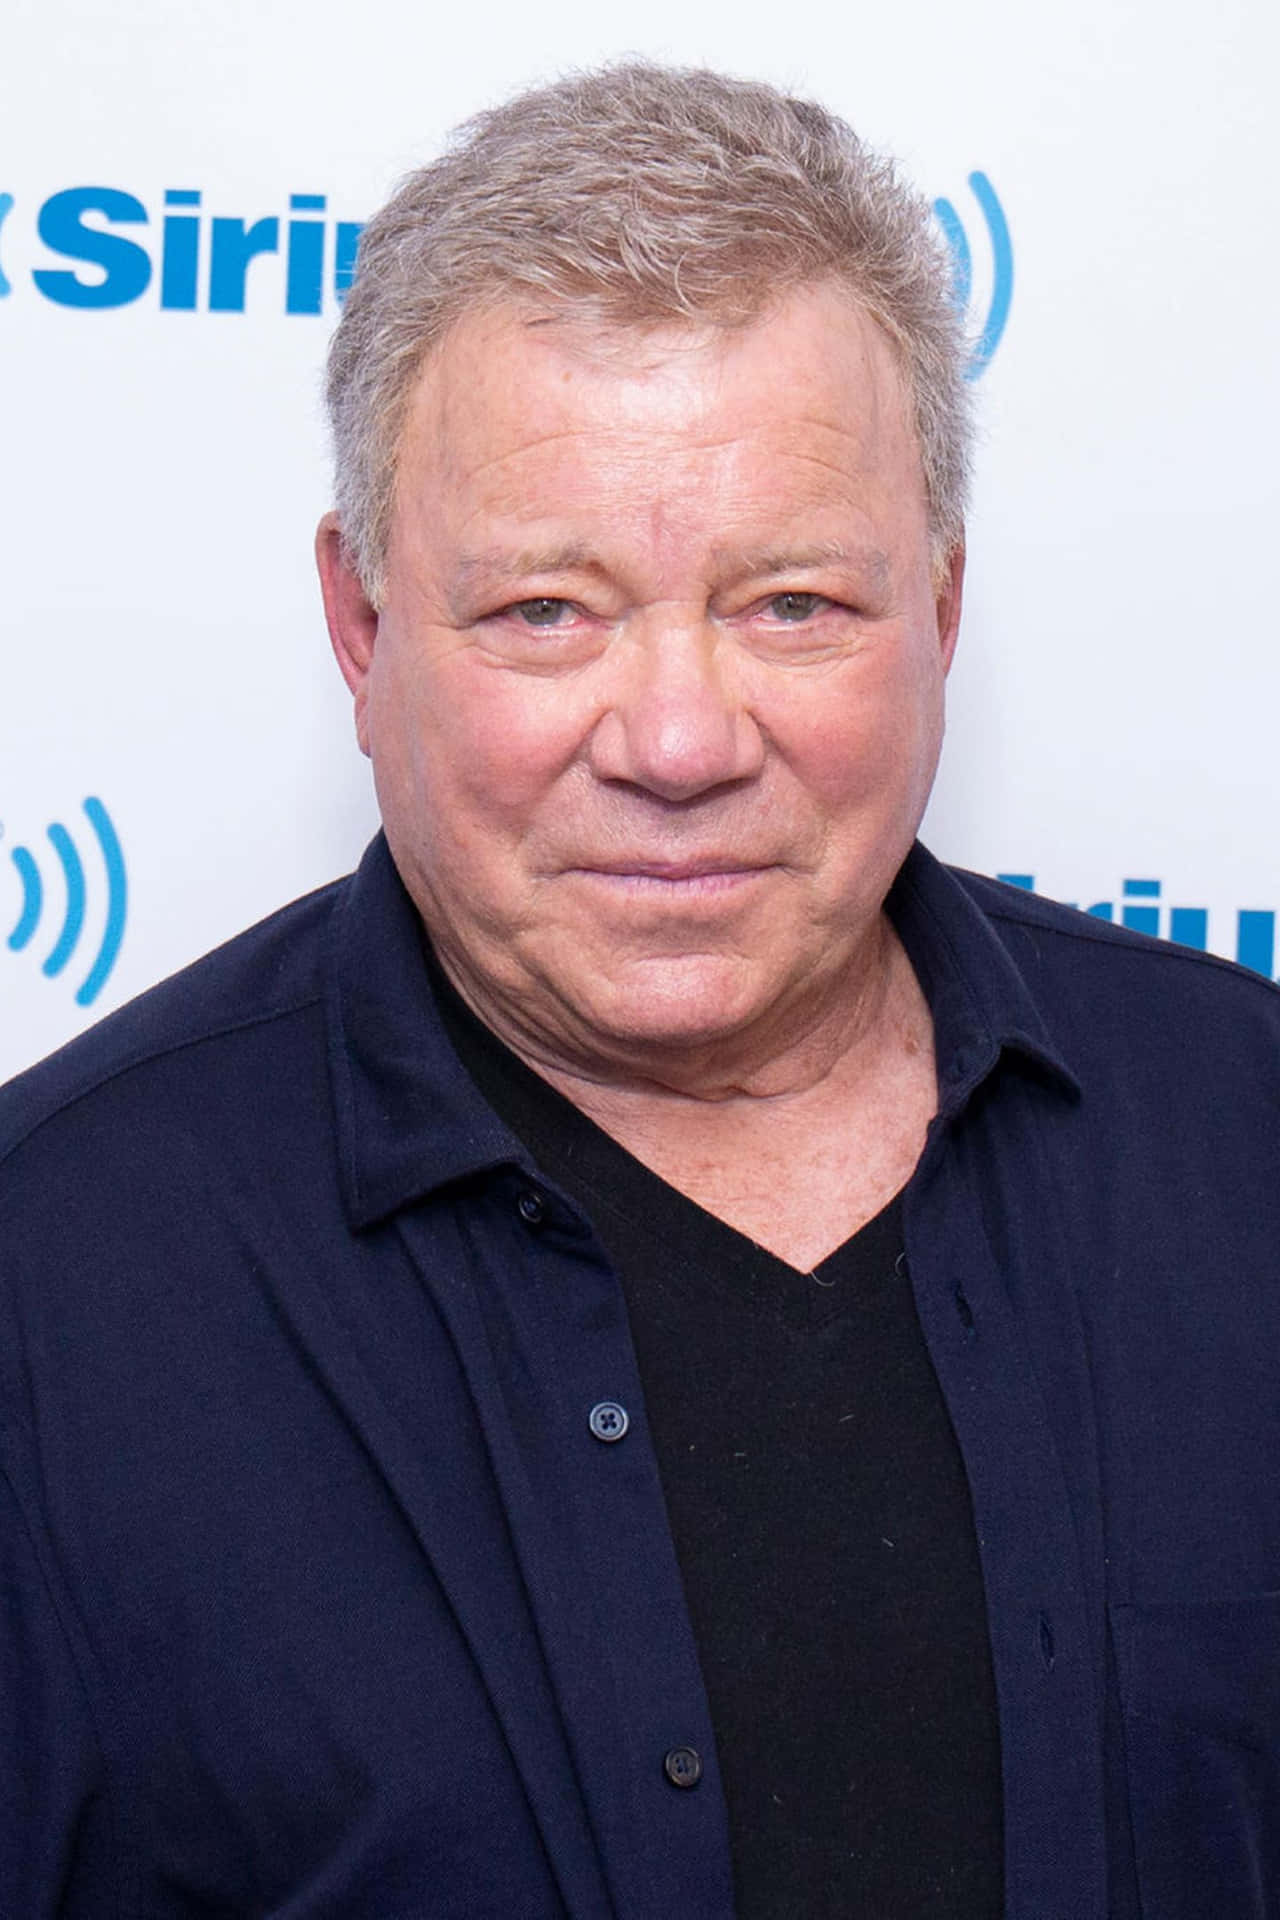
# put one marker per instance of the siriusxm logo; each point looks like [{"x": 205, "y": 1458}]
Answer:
[
  {"x": 997, "y": 315},
  {"x": 1141, "y": 908},
  {"x": 113, "y": 251},
  {"x": 6, "y": 207},
  {"x": 75, "y": 898},
  {"x": 116, "y": 251}
]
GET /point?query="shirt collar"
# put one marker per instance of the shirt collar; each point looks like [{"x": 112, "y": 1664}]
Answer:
[
  {"x": 981, "y": 1004},
  {"x": 410, "y": 1118}
]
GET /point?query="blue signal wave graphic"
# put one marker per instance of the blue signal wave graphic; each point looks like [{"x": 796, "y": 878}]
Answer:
[
  {"x": 962, "y": 267},
  {"x": 6, "y": 204},
  {"x": 73, "y": 917}
]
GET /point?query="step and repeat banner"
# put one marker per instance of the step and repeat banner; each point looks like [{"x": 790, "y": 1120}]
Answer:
[{"x": 181, "y": 194}]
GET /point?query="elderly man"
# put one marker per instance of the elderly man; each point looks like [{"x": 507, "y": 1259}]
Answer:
[{"x": 654, "y": 1351}]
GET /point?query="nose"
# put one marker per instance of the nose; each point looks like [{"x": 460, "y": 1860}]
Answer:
[{"x": 677, "y": 724}]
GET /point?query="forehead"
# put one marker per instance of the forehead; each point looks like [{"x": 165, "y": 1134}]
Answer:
[{"x": 514, "y": 407}]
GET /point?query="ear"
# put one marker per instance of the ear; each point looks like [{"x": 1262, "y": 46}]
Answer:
[
  {"x": 950, "y": 593},
  {"x": 353, "y": 621}
]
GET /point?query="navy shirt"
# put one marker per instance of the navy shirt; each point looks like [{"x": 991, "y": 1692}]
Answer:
[{"x": 321, "y": 1592}]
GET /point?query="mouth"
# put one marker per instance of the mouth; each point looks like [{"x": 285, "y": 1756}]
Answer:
[{"x": 672, "y": 878}]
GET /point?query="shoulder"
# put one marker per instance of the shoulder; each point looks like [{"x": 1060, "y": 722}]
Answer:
[
  {"x": 170, "y": 1042},
  {"x": 1028, "y": 922},
  {"x": 1109, "y": 994},
  {"x": 155, "y": 1168}
]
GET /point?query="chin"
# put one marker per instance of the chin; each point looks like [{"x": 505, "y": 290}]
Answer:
[{"x": 668, "y": 1004}]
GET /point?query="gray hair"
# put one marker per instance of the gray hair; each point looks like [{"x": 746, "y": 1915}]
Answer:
[{"x": 640, "y": 194}]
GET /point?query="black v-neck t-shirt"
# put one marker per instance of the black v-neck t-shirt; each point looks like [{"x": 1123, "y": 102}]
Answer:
[{"x": 823, "y": 1527}]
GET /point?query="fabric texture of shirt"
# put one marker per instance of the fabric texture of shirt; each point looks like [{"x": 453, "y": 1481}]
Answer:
[{"x": 320, "y": 1595}]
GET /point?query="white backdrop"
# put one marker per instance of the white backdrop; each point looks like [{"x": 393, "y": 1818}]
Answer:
[{"x": 163, "y": 464}]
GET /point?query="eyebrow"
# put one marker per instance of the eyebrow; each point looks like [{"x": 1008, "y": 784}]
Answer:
[
  {"x": 493, "y": 565},
  {"x": 525, "y": 560},
  {"x": 870, "y": 562}
]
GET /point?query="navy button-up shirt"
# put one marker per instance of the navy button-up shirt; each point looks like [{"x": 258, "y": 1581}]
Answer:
[{"x": 319, "y": 1595}]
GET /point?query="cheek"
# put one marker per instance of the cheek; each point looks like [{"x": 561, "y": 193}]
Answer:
[
  {"x": 490, "y": 745},
  {"x": 872, "y": 742}
]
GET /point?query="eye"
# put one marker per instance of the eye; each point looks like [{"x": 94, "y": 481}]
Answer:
[
  {"x": 543, "y": 612},
  {"x": 795, "y": 607}
]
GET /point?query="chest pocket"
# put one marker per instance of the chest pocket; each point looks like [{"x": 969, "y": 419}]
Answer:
[{"x": 1200, "y": 1691}]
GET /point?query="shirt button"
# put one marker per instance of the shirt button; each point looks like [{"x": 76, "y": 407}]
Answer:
[
  {"x": 531, "y": 1207},
  {"x": 683, "y": 1766},
  {"x": 608, "y": 1421}
]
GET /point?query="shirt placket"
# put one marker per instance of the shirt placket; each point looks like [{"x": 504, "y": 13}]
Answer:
[
  {"x": 1042, "y": 1631},
  {"x": 541, "y": 1329}
]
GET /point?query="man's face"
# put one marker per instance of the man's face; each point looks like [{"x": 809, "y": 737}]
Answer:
[{"x": 654, "y": 701}]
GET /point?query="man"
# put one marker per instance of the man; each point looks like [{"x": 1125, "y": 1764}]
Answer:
[{"x": 653, "y": 1351}]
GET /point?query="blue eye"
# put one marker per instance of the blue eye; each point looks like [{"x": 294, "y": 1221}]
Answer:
[
  {"x": 540, "y": 613},
  {"x": 795, "y": 606}
]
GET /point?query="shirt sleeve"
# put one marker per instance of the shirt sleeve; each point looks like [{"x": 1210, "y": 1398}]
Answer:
[{"x": 56, "y": 1852}]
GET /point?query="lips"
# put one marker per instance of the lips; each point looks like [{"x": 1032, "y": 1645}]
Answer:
[
  {"x": 684, "y": 883},
  {"x": 672, "y": 870}
]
